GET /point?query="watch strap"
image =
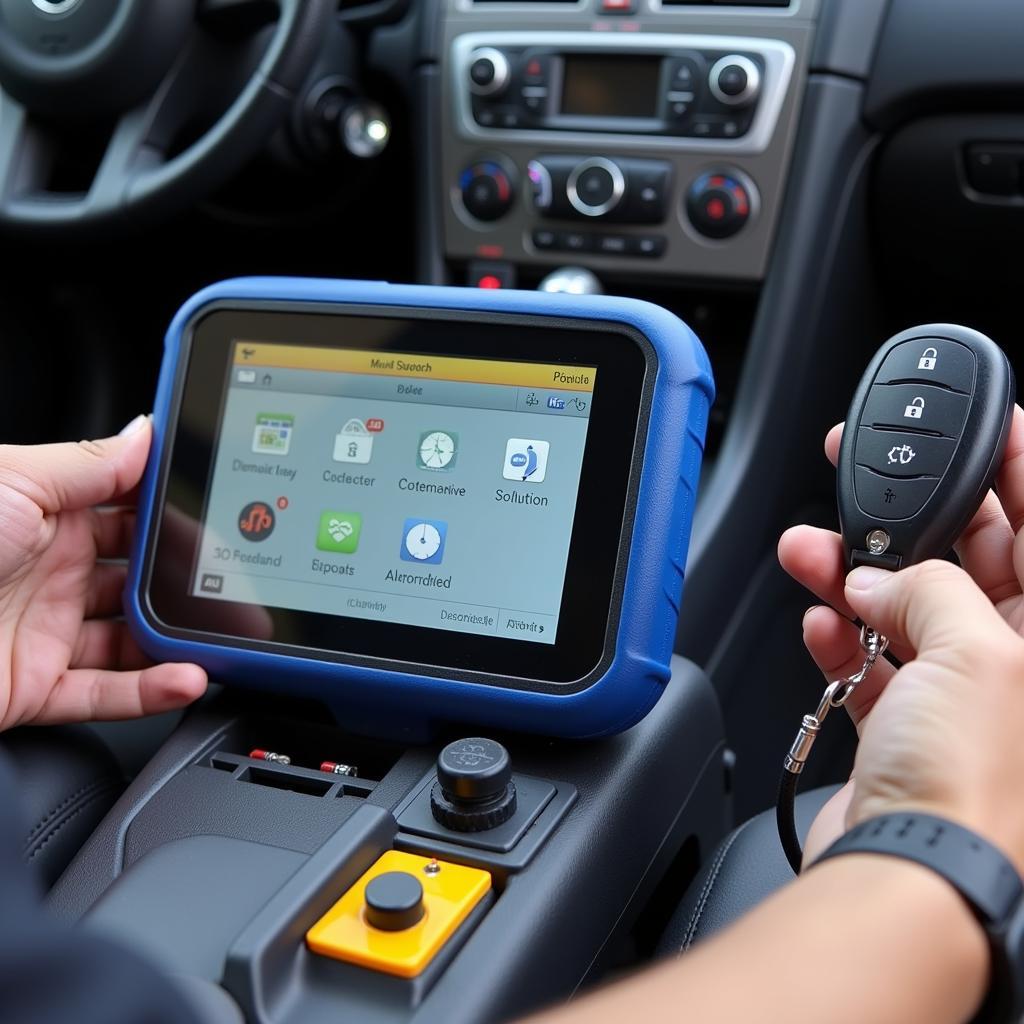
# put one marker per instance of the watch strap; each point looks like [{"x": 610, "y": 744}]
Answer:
[{"x": 985, "y": 878}]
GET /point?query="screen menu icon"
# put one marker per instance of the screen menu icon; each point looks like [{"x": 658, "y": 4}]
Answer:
[
  {"x": 339, "y": 532},
  {"x": 354, "y": 443},
  {"x": 273, "y": 433},
  {"x": 525, "y": 460},
  {"x": 423, "y": 541}
]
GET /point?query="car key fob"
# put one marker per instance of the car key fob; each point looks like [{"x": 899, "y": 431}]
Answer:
[{"x": 924, "y": 438}]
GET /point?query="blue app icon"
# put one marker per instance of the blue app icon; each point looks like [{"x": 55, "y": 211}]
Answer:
[{"x": 423, "y": 541}]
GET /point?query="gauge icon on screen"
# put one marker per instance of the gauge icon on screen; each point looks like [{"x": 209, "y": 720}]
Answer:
[
  {"x": 423, "y": 541},
  {"x": 437, "y": 449}
]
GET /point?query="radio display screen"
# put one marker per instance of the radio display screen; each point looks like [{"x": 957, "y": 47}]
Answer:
[{"x": 596, "y": 85}]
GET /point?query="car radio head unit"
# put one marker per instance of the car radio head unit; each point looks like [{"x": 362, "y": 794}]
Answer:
[{"x": 456, "y": 504}]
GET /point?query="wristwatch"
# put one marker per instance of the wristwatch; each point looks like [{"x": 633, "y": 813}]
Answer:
[{"x": 983, "y": 876}]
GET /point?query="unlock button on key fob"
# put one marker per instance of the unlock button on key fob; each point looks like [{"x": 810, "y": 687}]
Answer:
[{"x": 916, "y": 406}]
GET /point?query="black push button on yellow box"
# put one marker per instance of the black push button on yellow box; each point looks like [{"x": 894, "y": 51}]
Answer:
[{"x": 399, "y": 914}]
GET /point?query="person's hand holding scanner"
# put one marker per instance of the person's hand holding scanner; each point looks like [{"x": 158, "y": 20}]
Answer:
[
  {"x": 942, "y": 735},
  {"x": 64, "y": 654}
]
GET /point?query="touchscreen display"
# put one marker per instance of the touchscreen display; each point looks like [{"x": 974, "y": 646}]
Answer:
[
  {"x": 602, "y": 86},
  {"x": 430, "y": 491}
]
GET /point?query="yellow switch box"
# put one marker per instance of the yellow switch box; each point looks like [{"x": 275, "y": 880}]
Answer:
[{"x": 450, "y": 892}]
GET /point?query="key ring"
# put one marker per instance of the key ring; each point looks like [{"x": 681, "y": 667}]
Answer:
[{"x": 836, "y": 694}]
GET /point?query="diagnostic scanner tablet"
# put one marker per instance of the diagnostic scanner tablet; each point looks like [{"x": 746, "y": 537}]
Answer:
[{"x": 423, "y": 504}]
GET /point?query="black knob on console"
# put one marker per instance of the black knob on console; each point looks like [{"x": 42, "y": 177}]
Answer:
[
  {"x": 735, "y": 80},
  {"x": 474, "y": 789},
  {"x": 394, "y": 901},
  {"x": 718, "y": 204},
  {"x": 488, "y": 71},
  {"x": 595, "y": 186},
  {"x": 486, "y": 189}
]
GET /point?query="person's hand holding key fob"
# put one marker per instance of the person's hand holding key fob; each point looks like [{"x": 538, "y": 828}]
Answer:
[{"x": 923, "y": 443}]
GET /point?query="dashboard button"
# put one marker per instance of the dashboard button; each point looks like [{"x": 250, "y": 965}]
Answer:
[
  {"x": 575, "y": 241},
  {"x": 932, "y": 361},
  {"x": 916, "y": 406},
  {"x": 543, "y": 240},
  {"x": 612, "y": 245},
  {"x": 683, "y": 74},
  {"x": 650, "y": 246},
  {"x": 886, "y": 498},
  {"x": 902, "y": 454},
  {"x": 536, "y": 69}
]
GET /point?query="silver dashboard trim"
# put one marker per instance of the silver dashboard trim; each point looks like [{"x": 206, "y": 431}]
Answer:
[
  {"x": 618, "y": 186},
  {"x": 779, "y": 59}
]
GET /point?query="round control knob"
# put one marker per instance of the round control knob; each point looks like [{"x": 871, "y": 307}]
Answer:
[
  {"x": 486, "y": 190},
  {"x": 735, "y": 80},
  {"x": 488, "y": 71},
  {"x": 719, "y": 204},
  {"x": 394, "y": 901},
  {"x": 474, "y": 789},
  {"x": 595, "y": 186}
]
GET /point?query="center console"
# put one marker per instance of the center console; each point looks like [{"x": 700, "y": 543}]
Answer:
[
  {"x": 285, "y": 870},
  {"x": 633, "y": 138}
]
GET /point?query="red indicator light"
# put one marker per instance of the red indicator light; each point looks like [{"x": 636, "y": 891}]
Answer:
[
  {"x": 490, "y": 252},
  {"x": 374, "y": 426},
  {"x": 282, "y": 503},
  {"x": 489, "y": 281},
  {"x": 533, "y": 69},
  {"x": 715, "y": 209}
]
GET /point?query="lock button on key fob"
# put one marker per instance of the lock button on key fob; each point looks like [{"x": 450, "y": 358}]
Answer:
[{"x": 924, "y": 438}]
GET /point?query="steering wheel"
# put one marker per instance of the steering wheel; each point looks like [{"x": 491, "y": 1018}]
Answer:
[{"x": 151, "y": 69}]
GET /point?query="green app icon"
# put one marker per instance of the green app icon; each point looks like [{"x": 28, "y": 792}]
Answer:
[{"x": 339, "y": 532}]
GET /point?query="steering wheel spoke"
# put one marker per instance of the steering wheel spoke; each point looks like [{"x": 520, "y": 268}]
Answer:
[
  {"x": 26, "y": 153},
  {"x": 232, "y": 76},
  {"x": 144, "y": 138}
]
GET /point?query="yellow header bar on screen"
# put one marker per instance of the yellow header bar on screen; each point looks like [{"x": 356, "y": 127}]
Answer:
[{"x": 398, "y": 364}]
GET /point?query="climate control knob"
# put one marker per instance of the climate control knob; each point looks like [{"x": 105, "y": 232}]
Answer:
[
  {"x": 488, "y": 71},
  {"x": 595, "y": 186},
  {"x": 486, "y": 190},
  {"x": 719, "y": 203},
  {"x": 735, "y": 80}
]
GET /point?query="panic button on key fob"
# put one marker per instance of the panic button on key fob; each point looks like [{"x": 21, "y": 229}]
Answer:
[{"x": 924, "y": 437}]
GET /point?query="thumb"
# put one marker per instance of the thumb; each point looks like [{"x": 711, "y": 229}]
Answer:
[
  {"x": 80, "y": 474},
  {"x": 932, "y": 606}
]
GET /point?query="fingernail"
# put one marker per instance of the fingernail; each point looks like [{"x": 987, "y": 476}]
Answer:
[
  {"x": 136, "y": 424},
  {"x": 866, "y": 577}
]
